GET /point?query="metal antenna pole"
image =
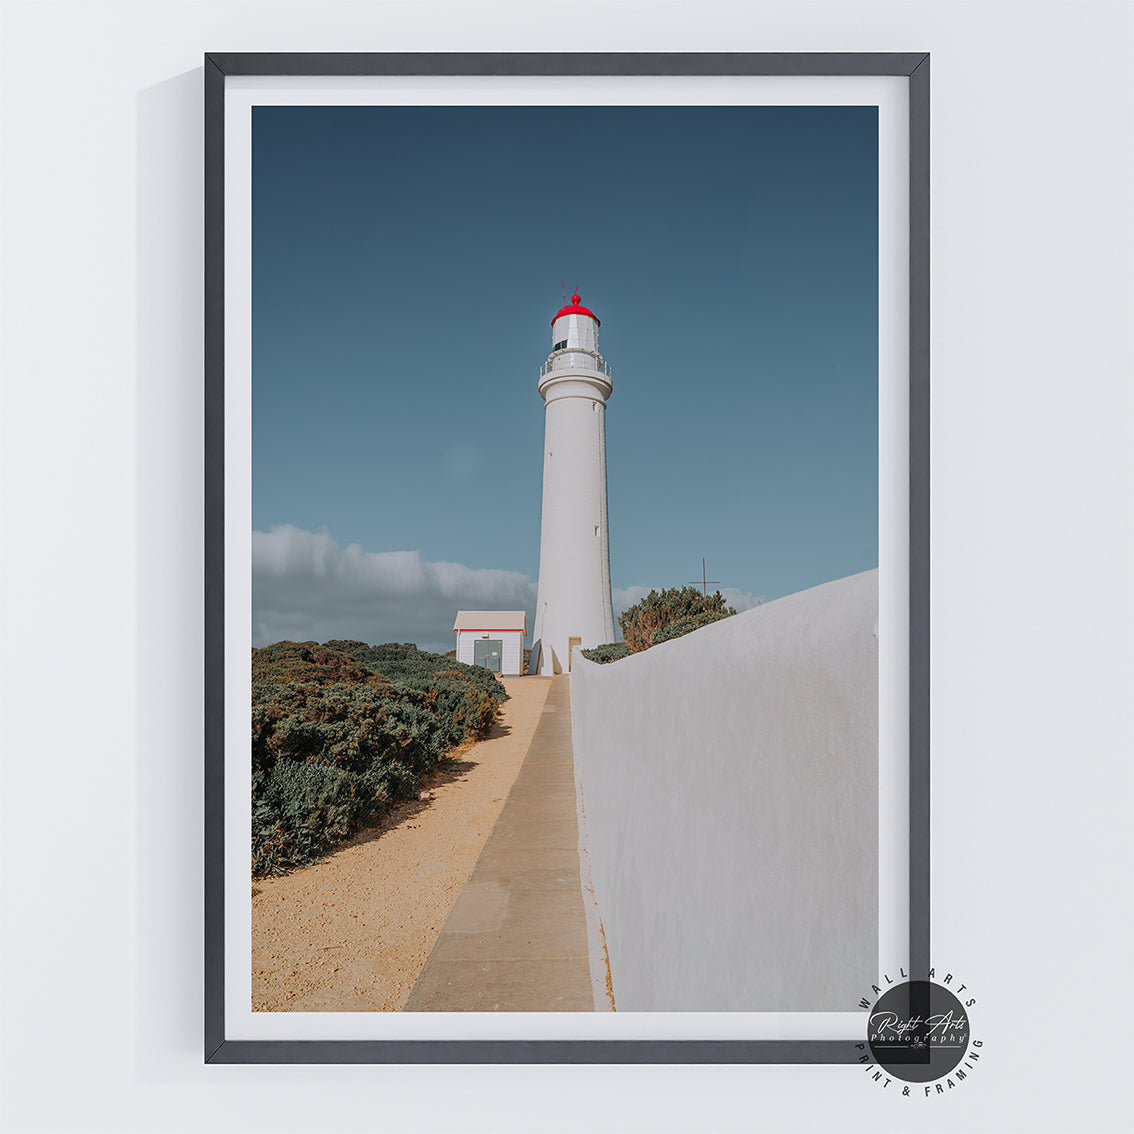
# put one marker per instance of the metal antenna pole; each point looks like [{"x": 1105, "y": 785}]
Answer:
[{"x": 703, "y": 580}]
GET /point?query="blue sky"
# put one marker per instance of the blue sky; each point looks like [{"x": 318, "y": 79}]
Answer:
[{"x": 407, "y": 262}]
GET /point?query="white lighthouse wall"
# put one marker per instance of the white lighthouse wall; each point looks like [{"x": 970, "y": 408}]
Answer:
[
  {"x": 730, "y": 786},
  {"x": 574, "y": 569}
]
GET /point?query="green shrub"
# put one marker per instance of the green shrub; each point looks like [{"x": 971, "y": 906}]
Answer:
[
  {"x": 466, "y": 697},
  {"x": 300, "y": 811},
  {"x": 342, "y": 730},
  {"x": 686, "y": 625},
  {"x": 307, "y": 663},
  {"x": 660, "y": 609},
  {"x": 612, "y": 651},
  {"x": 347, "y": 726}
]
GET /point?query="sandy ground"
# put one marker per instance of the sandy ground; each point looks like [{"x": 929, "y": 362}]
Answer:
[{"x": 352, "y": 934}]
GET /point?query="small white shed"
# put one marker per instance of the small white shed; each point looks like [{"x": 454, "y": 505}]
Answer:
[{"x": 492, "y": 638}]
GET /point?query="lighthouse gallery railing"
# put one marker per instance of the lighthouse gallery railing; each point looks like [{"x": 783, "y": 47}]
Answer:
[{"x": 571, "y": 359}]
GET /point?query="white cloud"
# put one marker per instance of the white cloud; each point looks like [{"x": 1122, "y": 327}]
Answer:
[
  {"x": 623, "y": 599},
  {"x": 304, "y": 587},
  {"x": 740, "y": 600}
]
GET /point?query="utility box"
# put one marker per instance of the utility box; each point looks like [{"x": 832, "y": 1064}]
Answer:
[{"x": 493, "y": 639}]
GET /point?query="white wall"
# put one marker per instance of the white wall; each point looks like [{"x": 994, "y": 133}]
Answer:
[
  {"x": 101, "y": 522},
  {"x": 730, "y": 780},
  {"x": 511, "y": 650}
]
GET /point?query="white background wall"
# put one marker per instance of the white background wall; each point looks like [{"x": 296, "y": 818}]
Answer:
[{"x": 102, "y": 542}]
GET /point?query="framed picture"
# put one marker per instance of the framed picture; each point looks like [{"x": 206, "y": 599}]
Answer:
[{"x": 713, "y": 848}]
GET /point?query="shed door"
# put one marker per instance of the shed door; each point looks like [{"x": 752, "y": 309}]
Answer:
[{"x": 488, "y": 652}]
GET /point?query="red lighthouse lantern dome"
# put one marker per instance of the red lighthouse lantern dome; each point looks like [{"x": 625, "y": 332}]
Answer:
[{"x": 574, "y": 308}]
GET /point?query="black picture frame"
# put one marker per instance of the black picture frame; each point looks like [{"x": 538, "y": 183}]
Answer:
[{"x": 218, "y": 68}]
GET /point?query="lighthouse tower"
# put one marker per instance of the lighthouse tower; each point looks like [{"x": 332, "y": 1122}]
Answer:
[{"x": 573, "y": 606}]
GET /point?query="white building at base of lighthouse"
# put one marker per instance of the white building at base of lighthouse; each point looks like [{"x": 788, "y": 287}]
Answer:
[{"x": 573, "y": 606}]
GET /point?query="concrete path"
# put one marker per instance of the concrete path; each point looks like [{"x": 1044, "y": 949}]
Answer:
[{"x": 516, "y": 940}]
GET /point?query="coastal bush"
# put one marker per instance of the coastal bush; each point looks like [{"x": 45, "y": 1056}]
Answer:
[
  {"x": 465, "y": 697},
  {"x": 344, "y": 726},
  {"x": 610, "y": 652},
  {"x": 299, "y": 812},
  {"x": 307, "y": 663},
  {"x": 661, "y": 609},
  {"x": 686, "y": 625},
  {"x": 342, "y": 730}
]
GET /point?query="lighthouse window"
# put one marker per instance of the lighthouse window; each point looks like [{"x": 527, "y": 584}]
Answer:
[{"x": 560, "y": 346}]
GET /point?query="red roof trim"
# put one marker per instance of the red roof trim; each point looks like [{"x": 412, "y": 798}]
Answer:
[{"x": 573, "y": 308}]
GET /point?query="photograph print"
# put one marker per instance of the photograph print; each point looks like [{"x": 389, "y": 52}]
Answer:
[{"x": 565, "y": 558}]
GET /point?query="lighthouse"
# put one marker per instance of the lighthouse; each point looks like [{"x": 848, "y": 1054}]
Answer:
[{"x": 573, "y": 606}]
